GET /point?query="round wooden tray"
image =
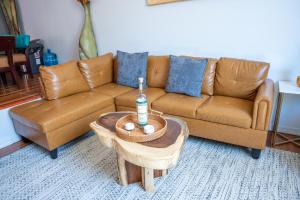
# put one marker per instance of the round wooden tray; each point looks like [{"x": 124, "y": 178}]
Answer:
[{"x": 138, "y": 135}]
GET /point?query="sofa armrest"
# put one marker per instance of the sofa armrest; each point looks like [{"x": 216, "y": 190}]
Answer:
[{"x": 263, "y": 104}]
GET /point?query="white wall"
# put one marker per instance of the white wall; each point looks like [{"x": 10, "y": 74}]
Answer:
[
  {"x": 267, "y": 30},
  {"x": 3, "y": 28},
  {"x": 7, "y": 134},
  {"x": 57, "y": 22}
]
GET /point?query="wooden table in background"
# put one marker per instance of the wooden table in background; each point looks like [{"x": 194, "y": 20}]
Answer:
[
  {"x": 142, "y": 161},
  {"x": 285, "y": 87}
]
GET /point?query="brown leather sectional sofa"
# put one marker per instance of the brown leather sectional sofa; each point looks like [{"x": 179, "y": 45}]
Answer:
[{"x": 235, "y": 106}]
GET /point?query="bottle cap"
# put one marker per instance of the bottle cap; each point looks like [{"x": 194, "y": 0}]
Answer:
[{"x": 141, "y": 79}]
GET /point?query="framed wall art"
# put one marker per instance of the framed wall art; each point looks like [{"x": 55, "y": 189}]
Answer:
[{"x": 155, "y": 2}]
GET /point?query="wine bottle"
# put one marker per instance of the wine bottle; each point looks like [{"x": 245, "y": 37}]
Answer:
[{"x": 142, "y": 105}]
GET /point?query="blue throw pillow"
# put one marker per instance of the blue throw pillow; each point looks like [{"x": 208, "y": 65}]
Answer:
[
  {"x": 185, "y": 75},
  {"x": 131, "y": 66}
]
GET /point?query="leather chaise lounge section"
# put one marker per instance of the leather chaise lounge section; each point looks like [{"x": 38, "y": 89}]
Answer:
[{"x": 235, "y": 106}]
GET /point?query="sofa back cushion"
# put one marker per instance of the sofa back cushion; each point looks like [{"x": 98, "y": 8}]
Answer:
[
  {"x": 239, "y": 78},
  {"x": 62, "y": 80},
  {"x": 158, "y": 71},
  {"x": 115, "y": 69},
  {"x": 209, "y": 75},
  {"x": 97, "y": 71}
]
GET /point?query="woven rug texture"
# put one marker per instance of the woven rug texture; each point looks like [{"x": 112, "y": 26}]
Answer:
[{"x": 85, "y": 169}]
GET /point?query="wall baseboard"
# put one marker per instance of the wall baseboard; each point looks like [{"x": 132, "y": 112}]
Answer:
[
  {"x": 289, "y": 130},
  {"x": 10, "y": 141}
]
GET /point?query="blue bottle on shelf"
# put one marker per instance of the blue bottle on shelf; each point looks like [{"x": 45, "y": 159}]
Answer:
[{"x": 50, "y": 58}]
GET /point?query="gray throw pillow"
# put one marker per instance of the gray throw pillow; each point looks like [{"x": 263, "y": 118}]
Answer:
[
  {"x": 131, "y": 66},
  {"x": 186, "y": 75}
]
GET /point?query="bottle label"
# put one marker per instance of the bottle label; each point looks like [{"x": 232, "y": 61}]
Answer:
[{"x": 142, "y": 112}]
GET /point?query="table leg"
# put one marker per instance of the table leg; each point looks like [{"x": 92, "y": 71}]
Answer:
[
  {"x": 143, "y": 177},
  {"x": 277, "y": 117},
  {"x": 122, "y": 171},
  {"x": 148, "y": 179},
  {"x": 164, "y": 172},
  {"x": 288, "y": 140}
]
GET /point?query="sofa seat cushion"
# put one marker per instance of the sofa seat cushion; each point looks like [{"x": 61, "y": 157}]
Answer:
[
  {"x": 179, "y": 104},
  {"x": 112, "y": 89},
  {"x": 227, "y": 110},
  {"x": 128, "y": 99},
  {"x": 46, "y": 116}
]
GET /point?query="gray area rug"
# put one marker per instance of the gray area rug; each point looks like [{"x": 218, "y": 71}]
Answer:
[{"x": 206, "y": 170}]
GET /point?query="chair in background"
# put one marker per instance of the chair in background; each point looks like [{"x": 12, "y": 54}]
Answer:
[{"x": 10, "y": 60}]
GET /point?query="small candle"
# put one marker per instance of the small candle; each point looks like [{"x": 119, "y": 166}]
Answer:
[
  {"x": 148, "y": 129},
  {"x": 129, "y": 126}
]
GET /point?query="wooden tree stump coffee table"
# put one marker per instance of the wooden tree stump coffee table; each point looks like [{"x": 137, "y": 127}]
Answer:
[{"x": 142, "y": 161}]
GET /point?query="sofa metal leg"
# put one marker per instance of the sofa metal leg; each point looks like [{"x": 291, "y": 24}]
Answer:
[
  {"x": 255, "y": 153},
  {"x": 54, "y": 153}
]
